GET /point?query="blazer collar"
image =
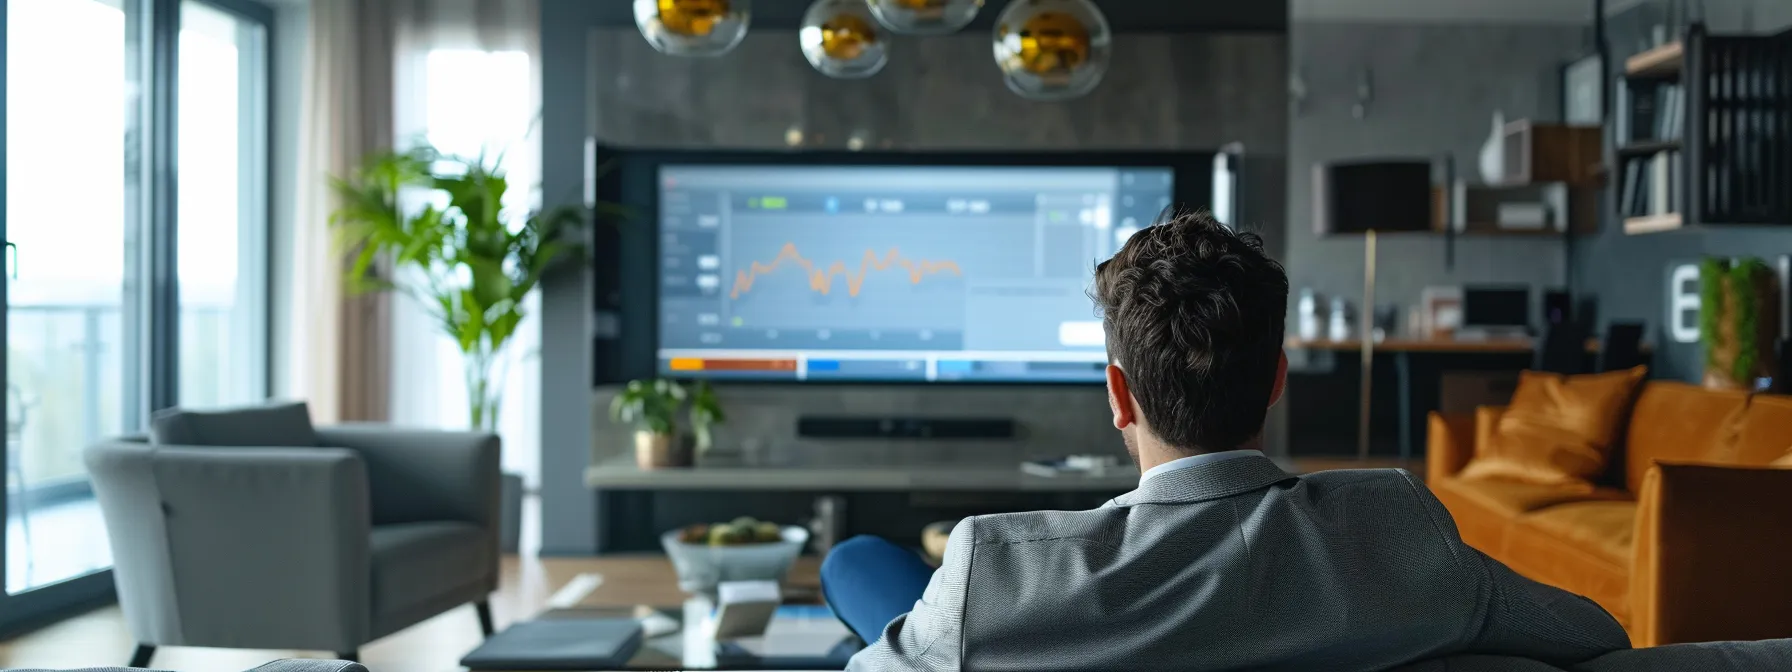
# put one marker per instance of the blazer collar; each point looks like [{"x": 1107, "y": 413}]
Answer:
[{"x": 1203, "y": 482}]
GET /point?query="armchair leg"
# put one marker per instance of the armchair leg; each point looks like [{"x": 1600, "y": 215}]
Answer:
[
  {"x": 353, "y": 656},
  {"x": 485, "y": 617},
  {"x": 140, "y": 658}
]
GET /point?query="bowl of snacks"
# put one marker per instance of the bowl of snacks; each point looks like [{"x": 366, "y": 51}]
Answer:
[{"x": 743, "y": 549}]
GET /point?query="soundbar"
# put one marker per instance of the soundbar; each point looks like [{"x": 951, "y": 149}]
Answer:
[{"x": 831, "y": 427}]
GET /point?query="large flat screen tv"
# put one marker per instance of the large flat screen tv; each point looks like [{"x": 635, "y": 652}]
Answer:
[{"x": 893, "y": 268}]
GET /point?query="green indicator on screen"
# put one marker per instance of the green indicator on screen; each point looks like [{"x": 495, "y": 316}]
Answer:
[{"x": 772, "y": 203}]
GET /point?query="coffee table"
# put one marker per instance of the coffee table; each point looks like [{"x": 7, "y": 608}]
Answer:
[{"x": 800, "y": 637}]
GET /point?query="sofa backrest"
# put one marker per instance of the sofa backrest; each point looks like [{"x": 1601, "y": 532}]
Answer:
[
  {"x": 1680, "y": 422},
  {"x": 1766, "y": 431}
]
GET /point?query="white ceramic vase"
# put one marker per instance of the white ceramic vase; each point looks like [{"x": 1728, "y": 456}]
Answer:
[{"x": 1493, "y": 152}]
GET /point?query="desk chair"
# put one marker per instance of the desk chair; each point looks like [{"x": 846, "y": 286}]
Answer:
[
  {"x": 1562, "y": 349},
  {"x": 1623, "y": 346}
]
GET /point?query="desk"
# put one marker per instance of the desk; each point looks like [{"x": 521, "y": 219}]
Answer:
[
  {"x": 1510, "y": 346},
  {"x": 1402, "y": 350}
]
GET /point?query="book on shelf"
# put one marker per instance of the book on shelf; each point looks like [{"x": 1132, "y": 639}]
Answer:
[
  {"x": 1658, "y": 183},
  {"x": 1670, "y": 112},
  {"x": 1642, "y": 117},
  {"x": 1652, "y": 185}
]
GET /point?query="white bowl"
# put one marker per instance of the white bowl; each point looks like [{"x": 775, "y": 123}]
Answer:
[{"x": 701, "y": 566}]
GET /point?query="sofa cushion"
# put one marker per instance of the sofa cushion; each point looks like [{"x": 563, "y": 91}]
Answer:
[
  {"x": 414, "y": 562},
  {"x": 280, "y": 424},
  {"x": 1581, "y": 547},
  {"x": 1681, "y": 423},
  {"x": 1766, "y": 431},
  {"x": 1484, "y": 508},
  {"x": 1558, "y": 430}
]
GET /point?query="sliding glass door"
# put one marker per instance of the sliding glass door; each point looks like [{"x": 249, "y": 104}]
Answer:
[
  {"x": 135, "y": 227},
  {"x": 73, "y": 222},
  {"x": 223, "y": 210}
]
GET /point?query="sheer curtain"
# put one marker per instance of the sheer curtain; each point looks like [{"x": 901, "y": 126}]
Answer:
[
  {"x": 338, "y": 361},
  {"x": 467, "y": 80}
]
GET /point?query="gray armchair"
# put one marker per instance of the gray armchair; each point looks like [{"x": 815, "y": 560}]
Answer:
[{"x": 312, "y": 548}]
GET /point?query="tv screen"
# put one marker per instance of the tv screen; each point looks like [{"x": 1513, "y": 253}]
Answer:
[{"x": 891, "y": 272}]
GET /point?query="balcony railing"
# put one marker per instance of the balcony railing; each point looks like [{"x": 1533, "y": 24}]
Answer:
[{"x": 70, "y": 382}]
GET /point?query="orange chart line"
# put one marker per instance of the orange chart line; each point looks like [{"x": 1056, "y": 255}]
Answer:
[{"x": 822, "y": 280}]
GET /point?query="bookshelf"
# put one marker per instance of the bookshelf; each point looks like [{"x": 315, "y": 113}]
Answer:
[{"x": 1703, "y": 134}]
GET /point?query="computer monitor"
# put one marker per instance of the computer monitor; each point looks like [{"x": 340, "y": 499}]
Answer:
[
  {"x": 923, "y": 273},
  {"x": 1496, "y": 308}
]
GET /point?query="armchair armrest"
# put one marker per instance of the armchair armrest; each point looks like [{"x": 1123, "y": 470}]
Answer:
[
  {"x": 1710, "y": 558},
  {"x": 425, "y": 475},
  {"x": 241, "y": 547},
  {"x": 1449, "y": 443}
]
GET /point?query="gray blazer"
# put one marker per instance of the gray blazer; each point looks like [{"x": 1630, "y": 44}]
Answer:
[{"x": 1229, "y": 565}]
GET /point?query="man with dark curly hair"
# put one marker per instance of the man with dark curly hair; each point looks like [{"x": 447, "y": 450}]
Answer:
[{"x": 1219, "y": 560}]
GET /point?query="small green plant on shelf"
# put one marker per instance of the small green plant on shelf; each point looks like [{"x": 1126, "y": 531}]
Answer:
[{"x": 652, "y": 407}]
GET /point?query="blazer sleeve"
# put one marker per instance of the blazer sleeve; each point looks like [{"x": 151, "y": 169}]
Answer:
[
  {"x": 1518, "y": 616},
  {"x": 929, "y": 638}
]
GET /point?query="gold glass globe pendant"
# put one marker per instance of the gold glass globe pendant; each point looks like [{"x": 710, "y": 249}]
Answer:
[
  {"x": 693, "y": 27},
  {"x": 924, "y": 17},
  {"x": 1052, "y": 49},
  {"x": 841, "y": 39}
]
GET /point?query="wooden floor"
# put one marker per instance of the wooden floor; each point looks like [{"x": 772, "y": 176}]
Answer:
[{"x": 527, "y": 586}]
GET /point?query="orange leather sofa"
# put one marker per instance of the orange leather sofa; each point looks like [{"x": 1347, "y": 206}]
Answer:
[{"x": 1688, "y": 536}]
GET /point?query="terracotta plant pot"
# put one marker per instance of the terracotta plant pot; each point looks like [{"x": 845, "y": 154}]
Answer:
[{"x": 657, "y": 451}]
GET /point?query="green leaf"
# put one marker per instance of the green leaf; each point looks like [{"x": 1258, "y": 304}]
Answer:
[{"x": 454, "y": 251}]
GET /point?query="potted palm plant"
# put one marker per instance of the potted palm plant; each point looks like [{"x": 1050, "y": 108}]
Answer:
[
  {"x": 435, "y": 228},
  {"x": 652, "y": 406}
]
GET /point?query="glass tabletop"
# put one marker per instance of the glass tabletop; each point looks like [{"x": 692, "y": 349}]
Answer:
[{"x": 799, "y": 637}]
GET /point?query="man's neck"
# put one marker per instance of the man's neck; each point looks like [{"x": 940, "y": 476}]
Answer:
[{"x": 1158, "y": 453}]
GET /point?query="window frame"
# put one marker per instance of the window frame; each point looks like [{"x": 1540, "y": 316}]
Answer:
[{"x": 152, "y": 319}]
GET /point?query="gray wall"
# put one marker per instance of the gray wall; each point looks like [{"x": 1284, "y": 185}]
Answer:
[
  {"x": 1164, "y": 92},
  {"x": 1435, "y": 88}
]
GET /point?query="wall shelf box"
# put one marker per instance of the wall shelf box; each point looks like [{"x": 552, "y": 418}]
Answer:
[
  {"x": 1537, "y": 153},
  {"x": 1546, "y": 209}
]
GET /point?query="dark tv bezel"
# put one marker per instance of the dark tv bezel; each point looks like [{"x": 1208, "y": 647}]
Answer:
[{"x": 626, "y": 253}]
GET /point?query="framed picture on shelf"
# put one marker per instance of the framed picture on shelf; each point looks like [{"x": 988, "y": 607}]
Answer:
[{"x": 1583, "y": 92}]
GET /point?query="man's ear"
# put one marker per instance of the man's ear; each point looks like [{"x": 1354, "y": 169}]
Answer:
[
  {"x": 1275, "y": 393},
  {"x": 1120, "y": 398}
]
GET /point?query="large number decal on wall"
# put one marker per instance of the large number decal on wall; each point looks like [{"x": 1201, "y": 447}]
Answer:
[{"x": 1683, "y": 303}]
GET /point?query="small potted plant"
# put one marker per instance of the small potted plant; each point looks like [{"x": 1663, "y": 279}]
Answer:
[{"x": 652, "y": 406}]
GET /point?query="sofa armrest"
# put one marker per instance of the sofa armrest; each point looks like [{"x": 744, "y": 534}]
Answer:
[
  {"x": 424, "y": 475},
  {"x": 1449, "y": 443},
  {"x": 256, "y": 547},
  {"x": 1709, "y": 557}
]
